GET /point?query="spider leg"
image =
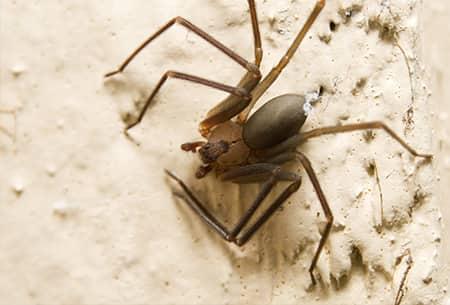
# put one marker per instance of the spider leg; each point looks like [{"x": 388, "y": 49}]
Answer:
[
  {"x": 268, "y": 173},
  {"x": 195, "y": 204},
  {"x": 359, "y": 126},
  {"x": 287, "y": 192},
  {"x": 283, "y": 152},
  {"x": 325, "y": 207},
  {"x": 236, "y": 92},
  {"x": 293, "y": 187},
  {"x": 250, "y": 173},
  {"x": 232, "y": 106},
  {"x": 256, "y": 33},
  {"x": 275, "y": 72},
  {"x": 291, "y": 143},
  {"x": 180, "y": 20}
]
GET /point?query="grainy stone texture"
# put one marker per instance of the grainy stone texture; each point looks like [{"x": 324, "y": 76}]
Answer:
[
  {"x": 88, "y": 216},
  {"x": 435, "y": 51}
]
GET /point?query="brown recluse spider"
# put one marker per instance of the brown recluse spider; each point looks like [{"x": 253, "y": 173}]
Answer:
[{"x": 245, "y": 149}]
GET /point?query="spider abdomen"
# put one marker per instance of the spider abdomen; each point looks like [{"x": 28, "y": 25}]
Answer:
[{"x": 277, "y": 120}]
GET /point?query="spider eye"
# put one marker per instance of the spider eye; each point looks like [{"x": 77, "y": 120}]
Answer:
[{"x": 210, "y": 152}]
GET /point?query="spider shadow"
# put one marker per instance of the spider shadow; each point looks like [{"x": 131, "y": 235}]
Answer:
[{"x": 124, "y": 86}]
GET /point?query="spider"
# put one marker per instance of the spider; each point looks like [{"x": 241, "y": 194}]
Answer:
[{"x": 252, "y": 149}]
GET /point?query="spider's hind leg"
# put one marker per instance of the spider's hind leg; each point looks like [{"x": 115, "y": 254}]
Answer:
[
  {"x": 303, "y": 136},
  {"x": 237, "y": 93},
  {"x": 290, "y": 155},
  {"x": 195, "y": 204},
  {"x": 269, "y": 174}
]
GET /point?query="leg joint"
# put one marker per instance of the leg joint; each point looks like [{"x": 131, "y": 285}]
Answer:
[
  {"x": 242, "y": 92},
  {"x": 180, "y": 20},
  {"x": 170, "y": 73},
  {"x": 321, "y": 3}
]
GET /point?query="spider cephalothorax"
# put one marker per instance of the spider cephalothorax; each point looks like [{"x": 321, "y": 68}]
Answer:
[{"x": 245, "y": 149}]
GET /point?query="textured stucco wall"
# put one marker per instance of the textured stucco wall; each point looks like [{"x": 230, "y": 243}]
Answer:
[
  {"x": 435, "y": 52},
  {"x": 88, "y": 216}
]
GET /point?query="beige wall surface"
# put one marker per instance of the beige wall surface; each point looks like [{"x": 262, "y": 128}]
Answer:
[
  {"x": 437, "y": 56},
  {"x": 88, "y": 216}
]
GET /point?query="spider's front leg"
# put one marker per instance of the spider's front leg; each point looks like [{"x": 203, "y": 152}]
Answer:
[
  {"x": 276, "y": 71},
  {"x": 195, "y": 29},
  {"x": 240, "y": 94}
]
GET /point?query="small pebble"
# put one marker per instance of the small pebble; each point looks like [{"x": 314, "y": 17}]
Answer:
[
  {"x": 60, "y": 124},
  {"x": 392, "y": 240},
  {"x": 62, "y": 208},
  {"x": 18, "y": 69},
  {"x": 18, "y": 187},
  {"x": 51, "y": 170}
]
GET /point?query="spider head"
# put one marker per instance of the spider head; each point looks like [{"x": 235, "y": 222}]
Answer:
[{"x": 211, "y": 151}]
